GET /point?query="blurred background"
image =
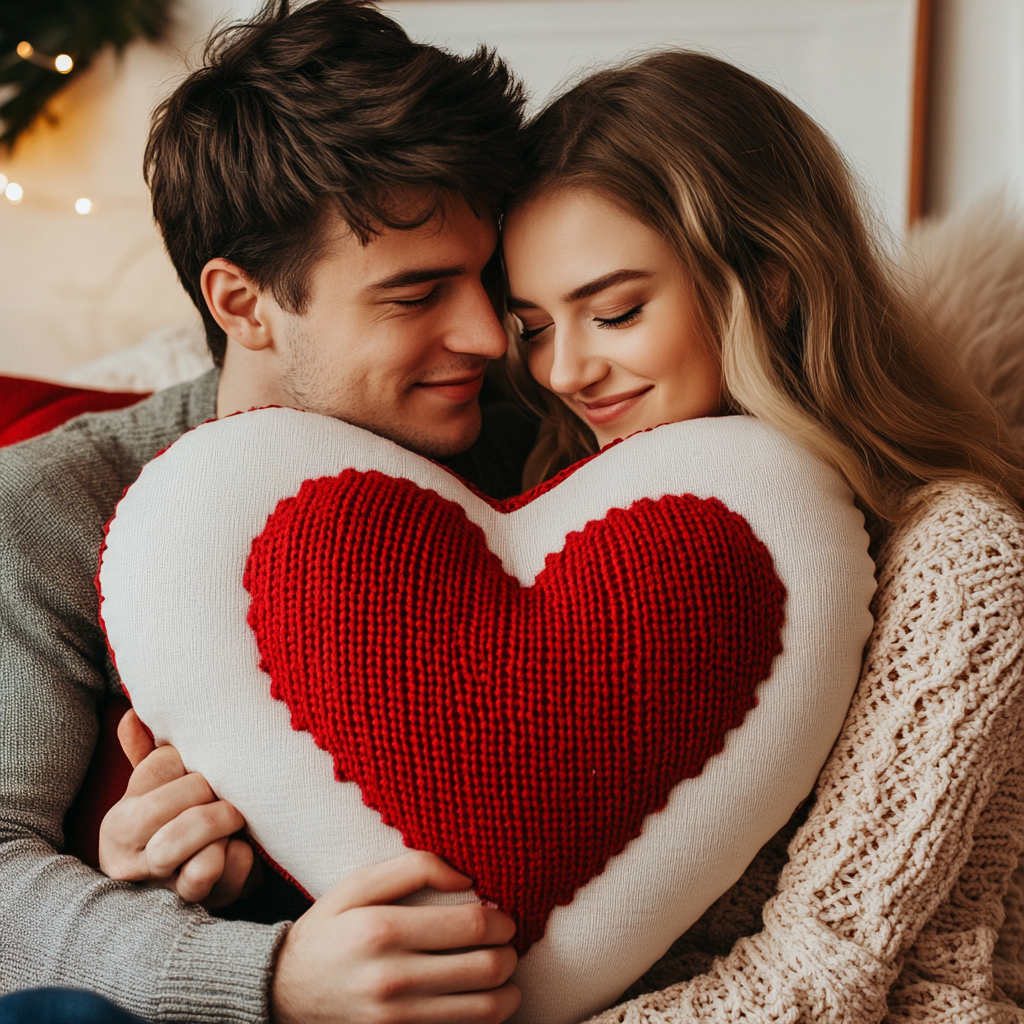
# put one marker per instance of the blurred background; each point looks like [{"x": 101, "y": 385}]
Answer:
[{"x": 926, "y": 99}]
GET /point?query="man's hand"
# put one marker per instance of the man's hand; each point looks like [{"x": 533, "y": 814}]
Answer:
[
  {"x": 351, "y": 960},
  {"x": 169, "y": 828}
]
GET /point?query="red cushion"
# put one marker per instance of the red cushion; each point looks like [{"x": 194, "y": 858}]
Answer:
[
  {"x": 28, "y": 408},
  {"x": 31, "y": 407}
]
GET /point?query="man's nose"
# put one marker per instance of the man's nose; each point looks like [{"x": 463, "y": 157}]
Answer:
[{"x": 476, "y": 329}]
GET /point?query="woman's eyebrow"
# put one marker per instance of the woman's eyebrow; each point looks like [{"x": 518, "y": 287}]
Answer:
[{"x": 585, "y": 291}]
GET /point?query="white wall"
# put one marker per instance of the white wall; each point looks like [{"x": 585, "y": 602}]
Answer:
[
  {"x": 848, "y": 63},
  {"x": 72, "y": 287},
  {"x": 977, "y": 122}
]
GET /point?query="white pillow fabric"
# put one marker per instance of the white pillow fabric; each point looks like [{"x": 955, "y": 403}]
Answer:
[
  {"x": 168, "y": 356},
  {"x": 175, "y": 606}
]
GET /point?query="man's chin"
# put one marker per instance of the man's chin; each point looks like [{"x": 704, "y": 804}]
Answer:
[{"x": 444, "y": 442}]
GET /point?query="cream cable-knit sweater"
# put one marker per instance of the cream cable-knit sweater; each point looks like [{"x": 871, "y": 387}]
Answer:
[{"x": 891, "y": 904}]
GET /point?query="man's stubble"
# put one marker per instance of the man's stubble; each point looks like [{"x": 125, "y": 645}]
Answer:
[{"x": 307, "y": 379}]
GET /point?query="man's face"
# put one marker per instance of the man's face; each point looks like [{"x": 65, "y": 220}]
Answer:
[{"x": 396, "y": 333}]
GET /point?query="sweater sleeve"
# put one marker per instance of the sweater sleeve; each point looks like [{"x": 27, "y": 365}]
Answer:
[
  {"x": 949, "y": 970},
  {"x": 60, "y": 922},
  {"x": 1008, "y": 955},
  {"x": 932, "y": 735}
]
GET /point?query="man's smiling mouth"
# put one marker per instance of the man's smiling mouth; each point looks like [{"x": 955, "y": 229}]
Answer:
[{"x": 461, "y": 388}]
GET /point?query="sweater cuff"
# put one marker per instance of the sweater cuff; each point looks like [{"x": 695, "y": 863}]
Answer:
[{"x": 220, "y": 971}]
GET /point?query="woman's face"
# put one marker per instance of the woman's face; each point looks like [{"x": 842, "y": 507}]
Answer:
[{"x": 610, "y": 319}]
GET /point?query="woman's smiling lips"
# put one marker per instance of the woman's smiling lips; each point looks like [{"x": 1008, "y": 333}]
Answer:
[
  {"x": 463, "y": 388},
  {"x": 604, "y": 410}
]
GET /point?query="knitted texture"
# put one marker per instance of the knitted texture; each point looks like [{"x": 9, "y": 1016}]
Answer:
[
  {"x": 890, "y": 907},
  {"x": 397, "y": 639},
  {"x": 733, "y": 915},
  {"x": 61, "y": 923},
  {"x": 1008, "y": 956}
]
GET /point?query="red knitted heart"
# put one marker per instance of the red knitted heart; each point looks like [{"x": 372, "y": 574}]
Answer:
[{"x": 522, "y": 733}]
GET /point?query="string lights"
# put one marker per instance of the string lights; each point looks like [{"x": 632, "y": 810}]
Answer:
[
  {"x": 14, "y": 193},
  {"x": 45, "y": 45},
  {"x": 62, "y": 62}
]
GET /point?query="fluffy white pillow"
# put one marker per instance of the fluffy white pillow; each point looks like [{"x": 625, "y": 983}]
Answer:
[{"x": 557, "y": 695}]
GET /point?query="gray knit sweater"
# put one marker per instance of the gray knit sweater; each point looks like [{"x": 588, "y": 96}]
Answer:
[{"x": 62, "y": 923}]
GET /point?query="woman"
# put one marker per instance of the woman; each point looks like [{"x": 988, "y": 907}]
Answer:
[
  {"x": 688, "y": 244},
  {"x": 687, "y": 239}
]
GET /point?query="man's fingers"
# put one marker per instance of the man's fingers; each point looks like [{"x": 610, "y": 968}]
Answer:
[
  {"x": 136, "y": 740},
  {"x": 163, "y": 765},
  {"x": 391, "y": 880},
  {"x": 432, "y": 928},
  {"x": 120, "y": 846},
  {"x": 200, "y": 873},
  {"x": 255, "y": 879},
  {"x": 189, "y": 827},
  {"x": 475, "y": 971},
  {"x": 238, "y": 863},
  {"x": 153, "y": 810},
  {"x": 470, "y": 1008}
]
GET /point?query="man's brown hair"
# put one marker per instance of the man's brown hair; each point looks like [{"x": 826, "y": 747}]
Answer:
[{"x": 327, "y": 108}]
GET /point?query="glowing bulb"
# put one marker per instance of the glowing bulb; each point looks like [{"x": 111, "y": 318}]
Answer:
[
  {"x": 63, "y": 63},
  {"x": 25, "y": 50},
  {"x": 14, "y": 191},
  {"x": 83, "y": 206}
]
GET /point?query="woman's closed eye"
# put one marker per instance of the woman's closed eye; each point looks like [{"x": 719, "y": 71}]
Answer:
[
  {"x": 527, "y": 334},
  {"x": 619, "y": 321}
]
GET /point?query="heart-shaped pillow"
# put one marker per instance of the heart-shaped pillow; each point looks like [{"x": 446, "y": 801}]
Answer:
[{"x": 554, "y": 694}]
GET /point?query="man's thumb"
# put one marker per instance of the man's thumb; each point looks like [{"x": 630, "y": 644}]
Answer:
[{"x": 136, "y": 739}]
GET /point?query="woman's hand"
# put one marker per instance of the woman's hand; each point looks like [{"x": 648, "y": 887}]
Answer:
[
  {"x": 170, "y": 829},
  {"x": 352, "y": 958}
]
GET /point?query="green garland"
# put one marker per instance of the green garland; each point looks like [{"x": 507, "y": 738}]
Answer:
[{"x": 78, "y": 28}]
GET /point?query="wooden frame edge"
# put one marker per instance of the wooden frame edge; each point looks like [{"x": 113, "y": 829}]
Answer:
[{"x": 919, "y": 112}]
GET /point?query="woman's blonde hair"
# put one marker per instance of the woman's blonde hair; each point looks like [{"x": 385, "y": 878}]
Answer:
[{"x": 816, "y": 338}]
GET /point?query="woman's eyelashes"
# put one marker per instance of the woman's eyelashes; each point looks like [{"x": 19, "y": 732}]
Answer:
[
  {"x": 527, "y": 334},
  {"x": 619, "y": 321}
]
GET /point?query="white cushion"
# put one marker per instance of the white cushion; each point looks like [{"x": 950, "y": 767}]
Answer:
[{"x": 175, "y": 607}]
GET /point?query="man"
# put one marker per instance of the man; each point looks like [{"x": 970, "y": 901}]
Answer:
[{"x": 328, "y": 192}]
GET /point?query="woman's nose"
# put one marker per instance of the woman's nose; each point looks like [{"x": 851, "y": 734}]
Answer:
[{"x": 573, "y": 367}]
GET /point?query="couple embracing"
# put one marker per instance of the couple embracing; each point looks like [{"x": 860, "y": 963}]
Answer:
[{"x": 678, "y": 243}]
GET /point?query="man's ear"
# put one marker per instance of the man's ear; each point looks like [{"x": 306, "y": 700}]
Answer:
[{"x": 234, "y": 302}]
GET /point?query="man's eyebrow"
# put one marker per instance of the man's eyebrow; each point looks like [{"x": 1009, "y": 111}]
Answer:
[
  {"x": 585, "y": 291},
  {"x": 408, "y": 278}
]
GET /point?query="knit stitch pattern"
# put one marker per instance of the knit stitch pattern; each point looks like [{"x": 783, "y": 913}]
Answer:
[
  {"x": 521, "y": 732},
  {"x": 891, "y": 906}
]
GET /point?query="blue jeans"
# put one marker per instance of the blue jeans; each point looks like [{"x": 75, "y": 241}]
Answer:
[{"x": 61, "y": 1006}]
